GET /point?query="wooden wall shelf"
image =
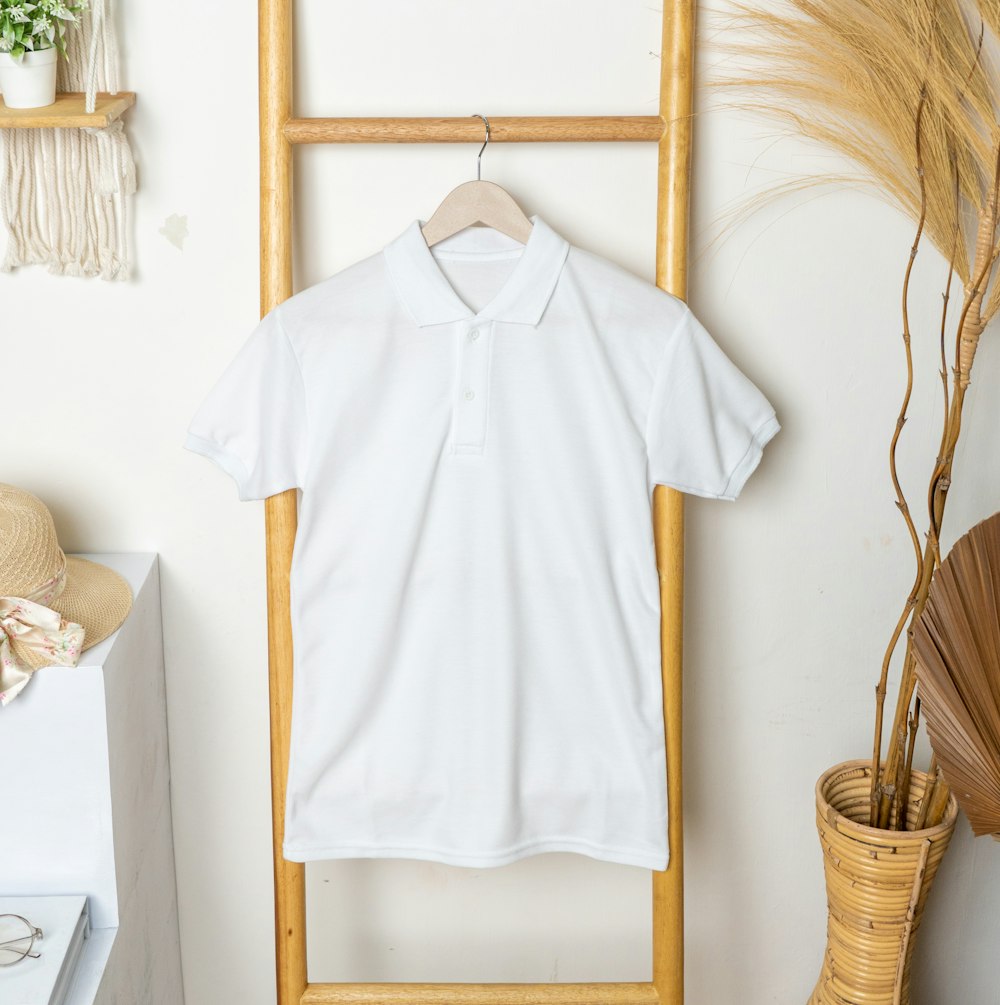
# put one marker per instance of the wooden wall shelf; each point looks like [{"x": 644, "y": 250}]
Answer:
[{"x": 68, "y": 112}]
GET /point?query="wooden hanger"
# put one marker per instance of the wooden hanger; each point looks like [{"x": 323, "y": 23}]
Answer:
[{"x": 477, "y": 202}]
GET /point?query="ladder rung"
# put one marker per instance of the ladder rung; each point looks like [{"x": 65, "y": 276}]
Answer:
[
  {"x": 602, "y": 993},
  {"x": 503, "y": 129}
]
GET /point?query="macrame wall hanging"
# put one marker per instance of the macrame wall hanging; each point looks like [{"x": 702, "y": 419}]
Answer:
[{"x": 65, "y": 192}]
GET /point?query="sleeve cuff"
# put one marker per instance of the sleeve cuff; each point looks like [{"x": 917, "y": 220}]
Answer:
[
  {"x": 229, "y": 463},
  {"x": 750, "y": 460}
]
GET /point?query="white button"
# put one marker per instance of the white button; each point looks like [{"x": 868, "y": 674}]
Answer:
[
  {"x": 474, "y": 334},
  {"x": 469, "y": 395}
]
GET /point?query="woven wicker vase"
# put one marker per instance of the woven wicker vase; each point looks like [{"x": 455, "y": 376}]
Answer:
[{"x": 877, "y": 882}]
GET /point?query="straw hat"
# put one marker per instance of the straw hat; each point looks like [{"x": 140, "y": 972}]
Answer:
[{"x": 52, "y": 607}]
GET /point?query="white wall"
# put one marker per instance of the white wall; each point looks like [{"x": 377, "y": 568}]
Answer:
[{"x": 791, "y": 591}]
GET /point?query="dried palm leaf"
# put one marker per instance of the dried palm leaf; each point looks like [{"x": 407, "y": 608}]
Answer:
[{"x": 957, "y": 645}]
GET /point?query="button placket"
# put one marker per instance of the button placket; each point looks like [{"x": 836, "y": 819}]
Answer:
[{"x": 472, "y": 393}]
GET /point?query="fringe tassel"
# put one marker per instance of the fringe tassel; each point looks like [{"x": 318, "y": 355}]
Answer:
[{"x": 64, "y": 194}]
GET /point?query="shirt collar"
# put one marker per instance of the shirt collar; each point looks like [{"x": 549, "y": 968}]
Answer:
[{"x": 431, "y": 300}]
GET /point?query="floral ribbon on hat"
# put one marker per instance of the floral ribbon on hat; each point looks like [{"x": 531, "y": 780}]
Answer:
[{"x": 30, "y": 633}]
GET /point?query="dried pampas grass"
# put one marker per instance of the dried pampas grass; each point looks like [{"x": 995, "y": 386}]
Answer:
[{"x": 849, "y": 74}]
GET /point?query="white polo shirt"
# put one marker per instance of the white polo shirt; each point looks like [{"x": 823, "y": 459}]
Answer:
[{"x": 476, "y": 429}]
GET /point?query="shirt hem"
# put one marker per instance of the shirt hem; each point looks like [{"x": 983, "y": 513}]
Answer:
[{"x": 655, "y": 860}]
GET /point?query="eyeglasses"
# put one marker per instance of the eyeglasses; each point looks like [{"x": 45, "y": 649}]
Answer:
[{"x": 17, "y": 938}]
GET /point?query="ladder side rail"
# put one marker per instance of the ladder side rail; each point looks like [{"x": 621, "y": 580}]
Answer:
[
  {"x": 280, "y": 513},
  {"x": 672, "y": 214}
]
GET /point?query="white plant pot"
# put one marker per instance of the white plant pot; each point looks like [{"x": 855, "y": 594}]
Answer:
[{"x": 31, "y": 83}]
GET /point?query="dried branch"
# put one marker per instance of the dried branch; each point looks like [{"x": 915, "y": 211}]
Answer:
[{"x": 877, "y": 789}]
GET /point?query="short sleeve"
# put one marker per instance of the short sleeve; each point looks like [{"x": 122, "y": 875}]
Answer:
[
  {"x": 707, "y": 423},
  {"x": 253, "y": 421}
]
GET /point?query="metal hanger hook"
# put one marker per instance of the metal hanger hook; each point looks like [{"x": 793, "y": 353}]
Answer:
[{"x": 479, "y": 156}]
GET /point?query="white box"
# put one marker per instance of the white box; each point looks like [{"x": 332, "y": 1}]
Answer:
[{"x": 86, "y": 806}]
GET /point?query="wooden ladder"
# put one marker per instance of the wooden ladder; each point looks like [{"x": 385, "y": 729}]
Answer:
[{"x": 280, "y": 130}]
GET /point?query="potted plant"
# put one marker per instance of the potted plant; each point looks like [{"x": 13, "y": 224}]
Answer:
[
  {"x": 908, "y": 92},
  {"x": 32, "y": 35}
]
